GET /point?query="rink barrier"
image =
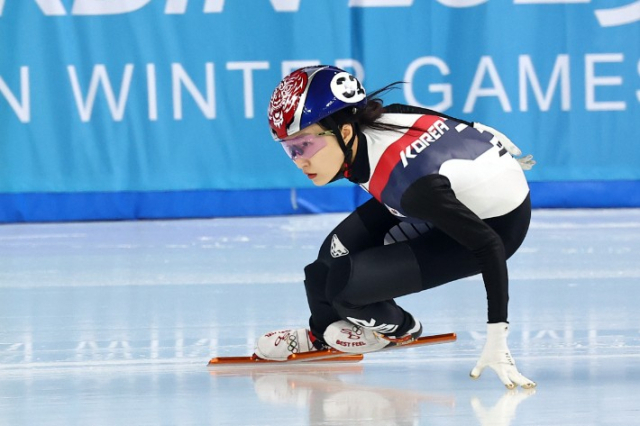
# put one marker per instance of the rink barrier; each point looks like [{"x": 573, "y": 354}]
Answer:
[{"x": 65, "y": 207}]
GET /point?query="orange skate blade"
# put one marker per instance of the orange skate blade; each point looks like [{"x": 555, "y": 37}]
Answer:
[
  {"x": 429, "y": 340},
  {"x": 253, "y": 359},
  {"x": 234, "y": 360}
]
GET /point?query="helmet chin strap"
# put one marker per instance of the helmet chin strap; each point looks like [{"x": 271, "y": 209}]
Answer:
[{"x": 347, "y": 148}]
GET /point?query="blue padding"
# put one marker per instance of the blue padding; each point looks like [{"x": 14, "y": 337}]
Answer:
[
  {"x": 53, "y": 207},
  {"x": 589, "y": 194},
  {"x": 58, "y": 207}
]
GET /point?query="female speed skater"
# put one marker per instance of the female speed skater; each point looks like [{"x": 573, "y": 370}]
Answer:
[{"x": 449, "y": 200}]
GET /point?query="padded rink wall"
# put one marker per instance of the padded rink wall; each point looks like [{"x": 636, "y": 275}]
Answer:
[{"x": 128, "y": 109}]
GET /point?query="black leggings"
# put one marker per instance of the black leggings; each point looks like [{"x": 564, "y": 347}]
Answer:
[{"x": 360, "y": 285}]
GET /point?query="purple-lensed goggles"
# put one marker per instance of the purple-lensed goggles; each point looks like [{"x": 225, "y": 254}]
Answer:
[{"x": 305, "y": 146}]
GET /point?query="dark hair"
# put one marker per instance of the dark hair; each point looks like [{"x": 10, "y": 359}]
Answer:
[{"x": 368, "y": 117}]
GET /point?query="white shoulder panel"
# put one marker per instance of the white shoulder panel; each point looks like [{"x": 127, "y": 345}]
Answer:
[{"x": 490, "y": 186}]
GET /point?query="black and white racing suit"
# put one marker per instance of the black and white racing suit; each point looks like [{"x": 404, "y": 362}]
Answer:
[{"x": 454, "y": 202}]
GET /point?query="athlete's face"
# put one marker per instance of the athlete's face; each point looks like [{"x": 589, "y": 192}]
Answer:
[{"x": 318, "y": 155}]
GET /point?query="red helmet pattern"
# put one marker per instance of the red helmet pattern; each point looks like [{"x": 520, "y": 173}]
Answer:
[{"x": 284, "y": 102}]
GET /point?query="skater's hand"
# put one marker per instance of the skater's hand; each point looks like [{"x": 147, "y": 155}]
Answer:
[
  {"x": 526, "y": 162},
  {"x": 496, "y": 355}
]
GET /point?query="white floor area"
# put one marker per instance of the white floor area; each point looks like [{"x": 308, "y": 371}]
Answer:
[{"x": 114, "y": 323}]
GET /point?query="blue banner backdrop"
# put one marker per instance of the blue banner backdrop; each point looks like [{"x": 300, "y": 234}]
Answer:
[{"x": 121, "y": 109}]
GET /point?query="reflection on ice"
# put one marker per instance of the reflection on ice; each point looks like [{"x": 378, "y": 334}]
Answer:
[
  {"x": 503, "y": 411},
  {"x": 330, "y": 396},
  {"x": 329, "y": 399}
]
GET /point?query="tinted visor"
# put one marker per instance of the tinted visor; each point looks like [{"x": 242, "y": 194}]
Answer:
[{"x": 305, "y": 146}]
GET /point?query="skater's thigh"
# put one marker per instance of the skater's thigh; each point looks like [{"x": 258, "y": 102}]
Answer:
[
  {"x": 441, "y": 259},
  {"x": 385, "y": 272},
  {"x": 394, "y": 270},
  {"x": 362, "y": 229},
  {"x": 377, "y": 274}
]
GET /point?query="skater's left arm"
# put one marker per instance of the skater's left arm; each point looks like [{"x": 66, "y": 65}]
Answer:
[{"x": 432, "y": 199}]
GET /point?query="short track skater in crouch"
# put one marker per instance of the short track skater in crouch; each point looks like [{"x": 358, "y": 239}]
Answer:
[{"x": 449, "y": 200}]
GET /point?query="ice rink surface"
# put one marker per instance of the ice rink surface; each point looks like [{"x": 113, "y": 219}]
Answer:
[{"x": 114, "y": 323}]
